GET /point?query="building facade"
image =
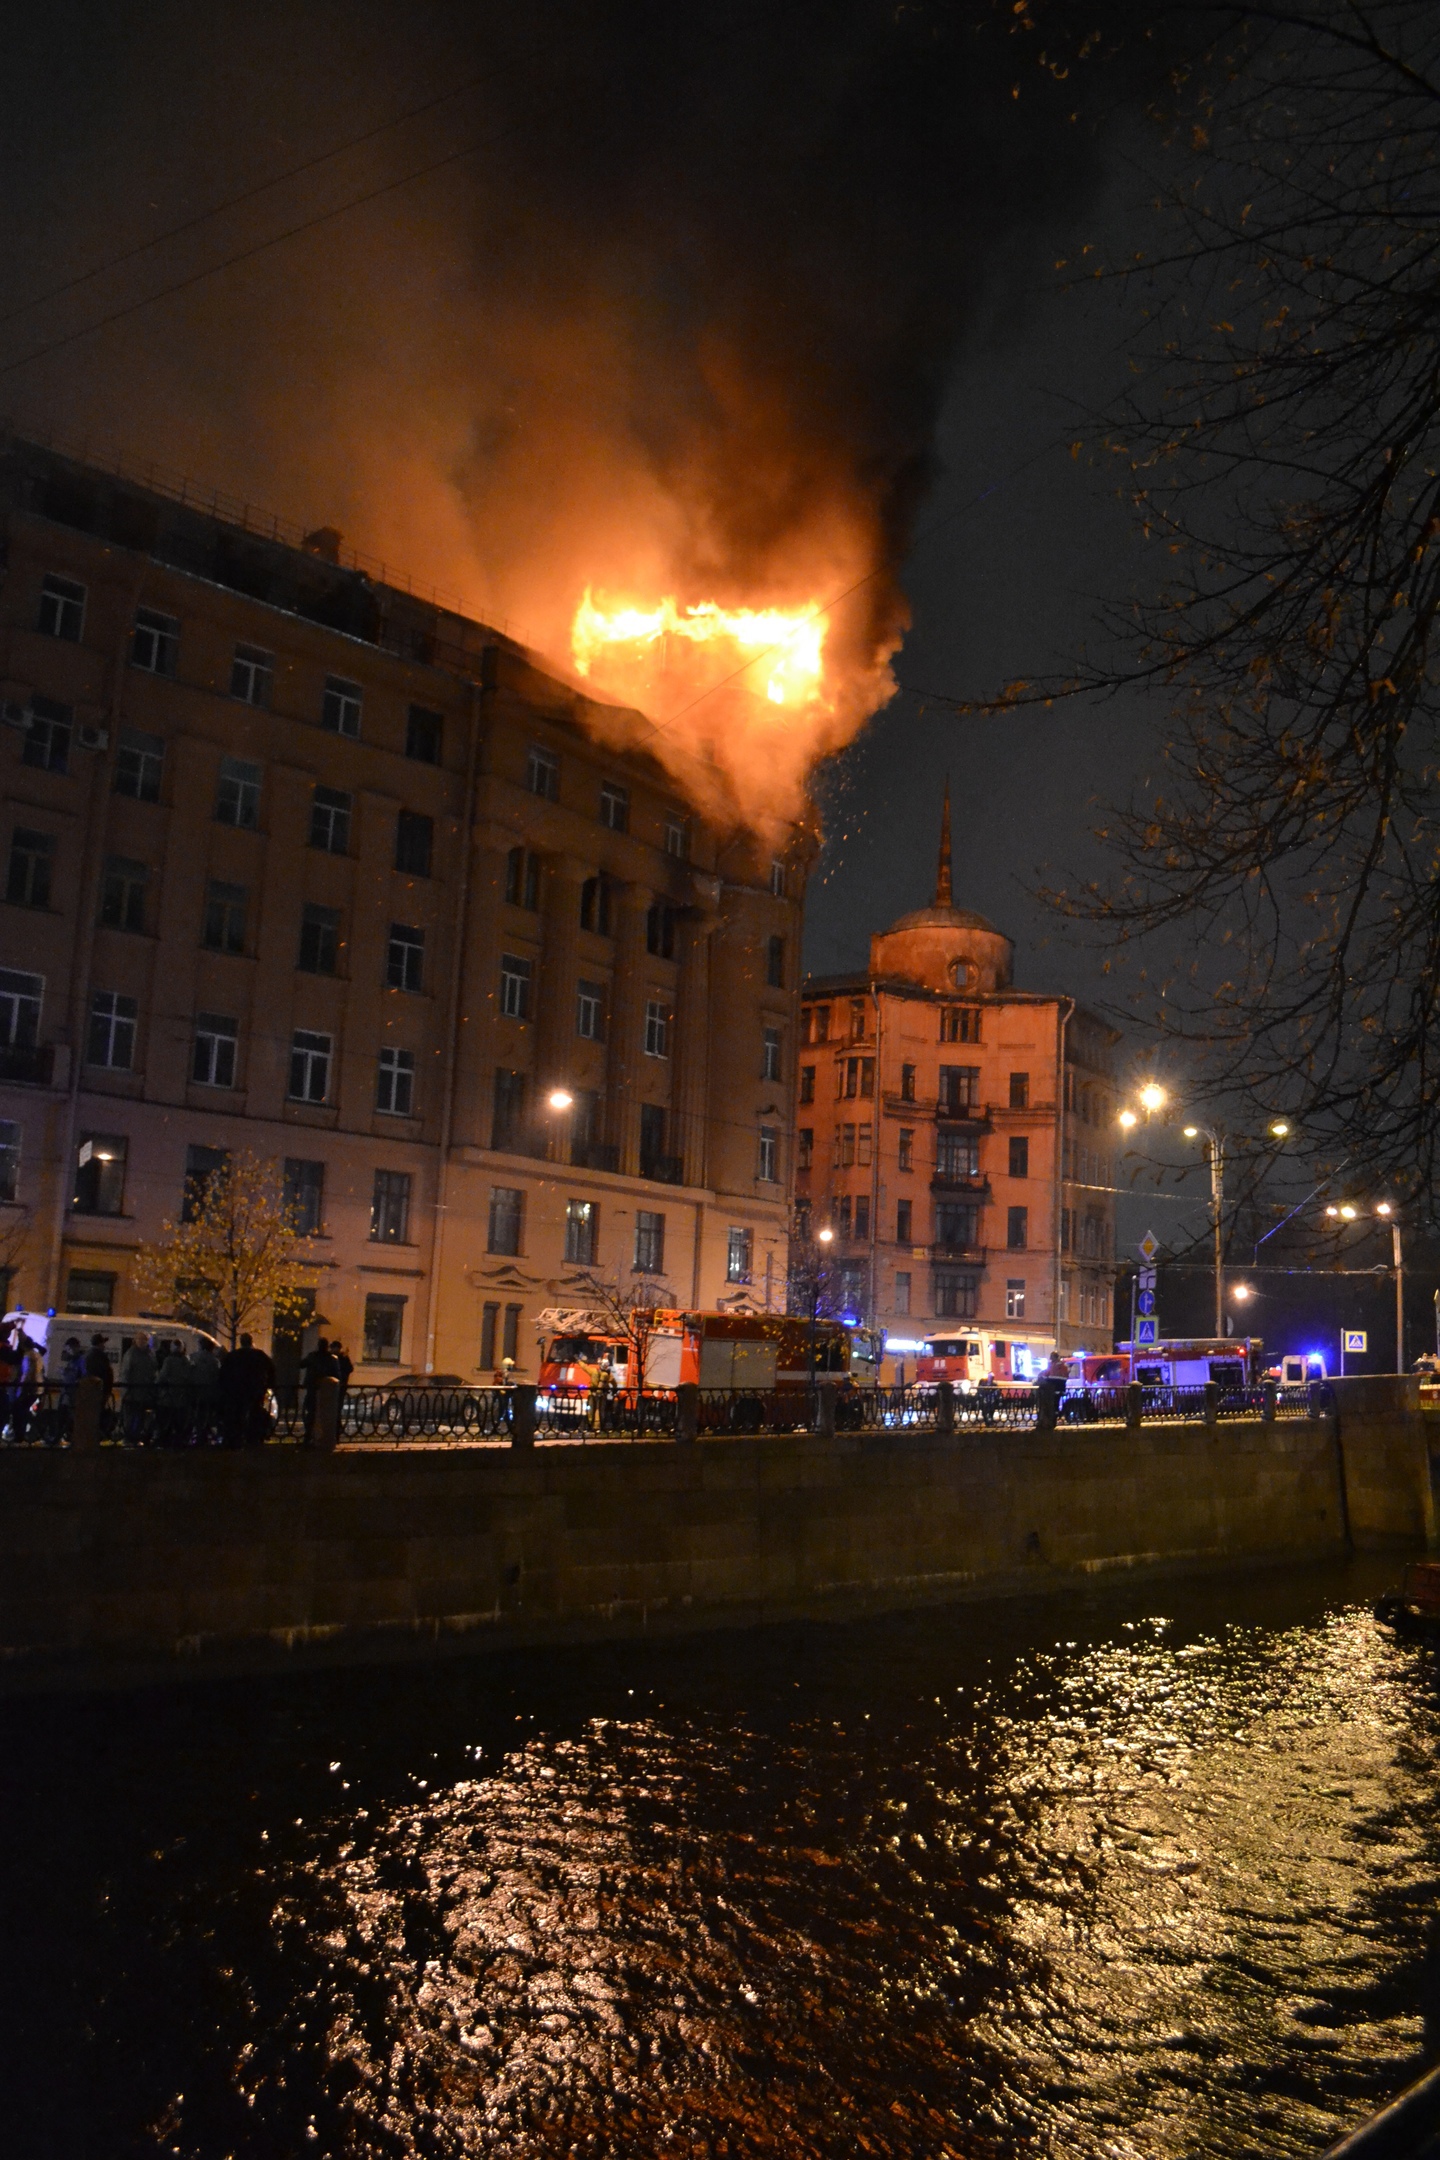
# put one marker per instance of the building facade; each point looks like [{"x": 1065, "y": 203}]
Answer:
[
  {"x": 954, "y": 1134},
  {"x": 300, "y": 864}
]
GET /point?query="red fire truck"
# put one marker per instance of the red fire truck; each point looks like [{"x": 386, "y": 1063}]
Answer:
[
  {"x": 972, "y": 1355},
  {"x": 761, "y": 1353}
]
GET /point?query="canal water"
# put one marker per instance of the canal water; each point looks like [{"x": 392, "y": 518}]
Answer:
[{"x": 1151, "y": 1872}]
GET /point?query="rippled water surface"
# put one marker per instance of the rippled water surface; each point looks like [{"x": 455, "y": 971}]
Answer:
[{"x": 1150, "y": 1874}]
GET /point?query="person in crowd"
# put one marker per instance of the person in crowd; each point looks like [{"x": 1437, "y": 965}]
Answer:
[
  {"x": 137, "y": 1383},
  {"x": 346, "y": 1365},
  {"x": 205, "y": 1385},
  {"x": 176, "y": 1391},
  {"x": 246, "y": 1378},
  {"x": 29, "y": 1383},
  {"x": 98, "y": 1367},
  {"x": 317, "y": 1365},
  {"x": 72, "y": 1372},
  {"x": 9, "y": 1375}
]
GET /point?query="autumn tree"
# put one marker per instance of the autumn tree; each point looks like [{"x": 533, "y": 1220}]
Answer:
[
  {"x": 628, "y": 1308},
  {"x": 237, "y": 1253}
]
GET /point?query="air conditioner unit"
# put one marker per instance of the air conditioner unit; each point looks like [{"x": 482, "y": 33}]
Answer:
[{"x": 91, "y": 737}]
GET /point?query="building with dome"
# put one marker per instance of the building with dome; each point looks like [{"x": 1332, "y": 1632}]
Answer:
[{"x": 955, "y": 1135}]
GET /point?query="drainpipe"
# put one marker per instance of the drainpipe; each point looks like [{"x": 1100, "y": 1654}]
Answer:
[
  {"x": 478, "y": 692},
  {"x": 1064, "y": 1013},
  {"x": 875, "y": 1131}
]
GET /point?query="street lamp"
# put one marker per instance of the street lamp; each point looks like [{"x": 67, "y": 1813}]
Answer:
[
  {"x": 1346, "y": 1211},
  {"x": 1152, "y": 1098}
]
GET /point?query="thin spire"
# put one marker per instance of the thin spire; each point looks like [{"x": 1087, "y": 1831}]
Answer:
[{"x": 943, "y": 895}]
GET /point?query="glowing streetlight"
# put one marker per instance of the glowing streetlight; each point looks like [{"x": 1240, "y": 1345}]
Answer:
[
  {"x": 1152, "y": 1098},
  {"x": 1280, "y": 1128},
  {"x": 1241, "y": 1291},
  {"x": 825, "y": 1236},
  {"x": 1383, "y": 1207},
  {"x": 1348, "y": 1213},
  {"x": 1385, "y": 1210},
  {"x": 1128, "y": 1119},
  {"x": 560, "y": 1099},
  {"x": 1191, "y": 1132}
]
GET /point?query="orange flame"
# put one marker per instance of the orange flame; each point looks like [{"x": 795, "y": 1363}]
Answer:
[{"x": 783, "y": 648}]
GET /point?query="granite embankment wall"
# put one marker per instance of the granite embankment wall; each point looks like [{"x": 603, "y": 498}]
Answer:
[{"x": 120, "y": 1565}]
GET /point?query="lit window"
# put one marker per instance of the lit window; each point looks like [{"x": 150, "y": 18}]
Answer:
[
  {"x": 62, "y": 609},
  {"x": 1014, "y": 1300},
  {"x": 582, "y": 1228},
  {"x": 740, "y": 1254},
  {"x": 100, "y": 1174},
  {"x": 252, "y": 675},
  {"x": 216, "y": 1044},
  {"x": 340, "y": 711},
  {"x": 155, "y": 642},
  {"x": 395, "y": 1082}
]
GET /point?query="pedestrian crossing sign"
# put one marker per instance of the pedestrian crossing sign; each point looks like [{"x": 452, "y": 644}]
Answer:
[
  {"x": 1145, "y": 1329},
  {"x": 1356, "y": 1341}
]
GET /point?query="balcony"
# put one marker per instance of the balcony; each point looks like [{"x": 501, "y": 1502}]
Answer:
[
  {"x": 663, "y": 1169},
  {"x": 975, "y": 1117},
  {"x": 973, "y": 1188},
  {"x": 958, "y": 1255},
  {"x": 595, "y": 1155},
  {"x": 32, "y": 1064}
]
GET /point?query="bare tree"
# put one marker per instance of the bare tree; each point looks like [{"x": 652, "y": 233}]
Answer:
[
  {"x": 629, "y": 1307},
  {"x": 238, "y": 1254}
]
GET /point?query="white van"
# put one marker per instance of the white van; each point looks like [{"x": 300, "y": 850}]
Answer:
[{"x": 51, "y": 1331}]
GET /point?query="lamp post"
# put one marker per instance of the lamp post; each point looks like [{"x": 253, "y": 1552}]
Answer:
[
  {"x": 824, "y": 1236},
  {"x": 1346, "y": 1211}
]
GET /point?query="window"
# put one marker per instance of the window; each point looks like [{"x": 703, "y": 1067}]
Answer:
[
  {"x": 677, "y": 838},
  {"x": 340, "y": 708},
  {"x": 424, "y": 734},
  {"x": 224, "y": 928},
  {"x": 858, "y": 1076},
  {"x": 1014, "y": 1300},
  {"x": 122, "y": 893},
  {"x": 330, "y": 820},
  {"x": 959, "y": 1087},
  {"x": 237, "y": 798},
  {"x": 47, "y": 738},
  {"x": 111, "y": 1038},
  {"x": 660, "y": 930},
  {"x": 586, "y": 1146},
  {"x": 595, "y": 905},
  {"x": 852, "y": 1289},
  {"x": 615, "y": 806},
  {"x": 1017, "y": 1228},
  {"x": 139, "y": 764},
  {"x": 1019, "y": 1155},
  {"x": 777, "y": 878},
  {"x": 807, "y": 1083},
  {"x": 405, "y": 958},
  {"x": 1020, "y": 1091},
  {"x": 489, "y": 1315},
  {"x": 590, "y": 1011},
  {"x": 9, "y": 1160},
  {"x": 213, "y": 1064},
  {"x": 511, "y": 1337},
  {"x": 857, "y": 1019},
  {"x": 310, "y": 1065},
  {"x": 414, "y": 843},
  {"x": 657, "y": 1028},
  {"x": 775, "y": 964},
  {"x": 903, "y": 1219},
  {"x": 155, "y": 642},
  {"x": 960, "y": 1023},
  {"x": 507, "y": 1130},
  {"x": 319, "y": 939},
  {"x": 62, "y": 609},
  {"x": 902, "y": 1293},
  {"x": 252, "y": 674},
  {"x": 907, "y": 1148},
  {"x": 515, "y": 977},
  {"x": 20, "y": 1001},
  {"x": 740, "y": 1254},
  {"x": 862, "y": 1143},
  {"x": 767, "y": 1168},
  {"x": 384, "y": 1328},
  {"x": 804, "y": 1147},
  {"x": 32, "y": 856},
  {"x": 202, "y": 1166},
  {"x": 770, "y": 1055},
  {"x": 957, "y": 1297},
  {"x": 542, "y": 774},
  {"x": 507, "y": 1204},
  {"x": 957, "y": 1156},
  {"x": 907, "y": 1083},
  {"x": 100, "y": 1174},
  {"x": 957, "y": 1225},
  {"x": 862, "y": 1215},
  {"x": 582, "y": 1232},
  {"x": 390, "y": 1208},
  {"x": 90, "y": 1291},
  {"x": 522, "y": 879},
  {"x": 395, "y": 1082},
  {"x": 845, "y": 1147},
  {"x": 649, "y": 1243},
  {"x": 305, "y": 1195},
  {"x": 653, "y": 1160},
  {"x": 1067, "y": 1229}
]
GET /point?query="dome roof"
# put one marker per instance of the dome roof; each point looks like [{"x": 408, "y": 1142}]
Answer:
[{"x": 944, "y": 918}]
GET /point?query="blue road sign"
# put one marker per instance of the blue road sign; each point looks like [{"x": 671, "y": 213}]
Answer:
[
  {"x": 1146, "y": 1301},
  {"x": 1146, "y": 1331}
]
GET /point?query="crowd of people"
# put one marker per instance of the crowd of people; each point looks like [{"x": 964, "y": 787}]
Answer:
[{"x": 162, "y": 1392}]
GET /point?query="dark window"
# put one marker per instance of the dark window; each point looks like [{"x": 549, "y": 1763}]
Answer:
[
  {"x": 62, "y": 609},
  {"x": 777, "y": 878},
  {"x": 677, "y": 838},
  {"x": 959, "y": 1087},
  {"x": 155, "y": 642},
  {"x": 652, "y": 1138},
  {"x": 305, "y": 1195},
  {"x": 9, "y": 1161},
  {"x": 660, "y": 930},
  {"x": 216, "y": 1044},
  {"x": 100, "y": 1174},
  {"x": 122, "y": 893},
  {"x": 595, "y": 905},
  {"x": 224, "y": 929},
  {"x": 32, "y": 856},
  {"x": 489, "y": 1316},
  {"x": 903, "y": 1234},
  {"x": 203, "y": 1165},
  {"x": 424, "y": 733},
  {"x": 319, "y": 940},
  {"x": 330, "y": 820},
  {"x": 20, "y": 1001},
  {"x": 822, "y": 1023},
  {"x": 957, "y": 1297},
  {"x": 414, "y": 843},
  {"x": 512, "y": 1332},
  {"x": 405, "y": 958},
  {"x": 88, "y": 1290},
  {"x": 252, "y": 675},
  {"x": 522, "y": 878},
  {"x": 957, "y": 1225},
  {"x": 384, "y": 1328},
  {"x": 907, "y": 1083},
  {"x": 960, "y": 1023},
  {"x": 507, "y": 1204},
  {"x": 590, "y": 1011},
  {"x": 857, "y": 1076},
  {"x": 804, "y": 1147},
  {"x": 649, "y": 1243},
  {"x": 395, "y": 1082},
  {"x": 739, "y": 1254},
  {"x": 615, "y": 806},
  {"x": 1017, "y": 1229},
  {"x": 807, "y": 1083},
  {"x": 340, "y": 711},
  {"x": 657, "y": 1028},
  {"x": 582, "y": 1232},
  {"x": 310, "y": 1065},
  {"x": 1014, "y": 1300},
  {"x": 1020, "y": 1091},
  {"x": 767, "y": 1167},
  {"x": 390, "y": 1208},
  {"x": 775, "y": 965},
  {"x": 1019, "y": 1156},
  {"x": 47, "y": 738},
  {"x": 508, "y": 1126},
  {"x": 906, "y": 1148},
  {"x": 111, "y": 1039},
  {"x": 139, "y": 764},
  {"x": 770, "y": 1054},
  {"x": 515, "y": 977},
  {"x": 542, "y": 774},
  {"x": 237, "y": 796}
]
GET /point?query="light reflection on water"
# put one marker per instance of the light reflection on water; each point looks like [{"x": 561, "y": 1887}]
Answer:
[{"x": 1149, "y": 1878}]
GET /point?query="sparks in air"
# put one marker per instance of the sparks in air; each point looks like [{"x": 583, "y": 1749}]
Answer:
[{"x": 779, "y": 649}]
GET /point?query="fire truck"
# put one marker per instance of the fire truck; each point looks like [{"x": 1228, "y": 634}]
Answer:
[
  {"x": 971, "y": 1356},
  {"x": 760, "y": 1353},
  {"x": 1232, "y": 1361}
]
